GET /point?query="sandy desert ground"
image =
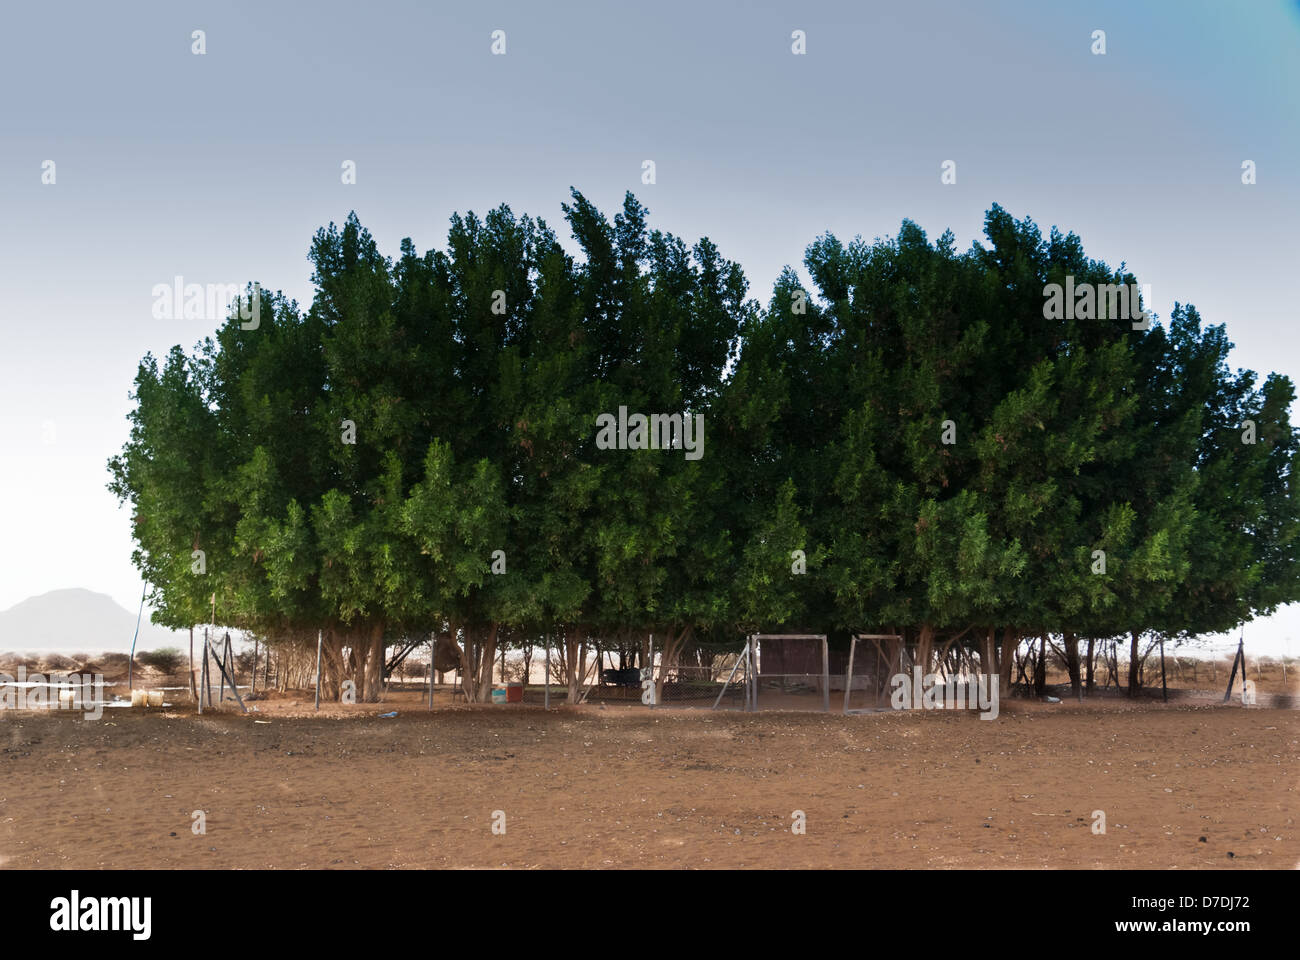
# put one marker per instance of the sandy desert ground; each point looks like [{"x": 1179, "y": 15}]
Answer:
[{"x": 1183, "y": 785}]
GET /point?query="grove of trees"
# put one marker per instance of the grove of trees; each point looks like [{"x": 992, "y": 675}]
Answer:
[{"x": 916, "y": 445}]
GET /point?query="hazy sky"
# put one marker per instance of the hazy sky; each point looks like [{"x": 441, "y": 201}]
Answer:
[{"x": 219, "y": 168}]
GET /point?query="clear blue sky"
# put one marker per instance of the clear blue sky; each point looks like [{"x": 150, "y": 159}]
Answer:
[{"x": 219, "y": 168}]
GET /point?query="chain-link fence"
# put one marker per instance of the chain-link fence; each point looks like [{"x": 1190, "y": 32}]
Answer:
[
  {"x": 718, "y": 685},
  {"x": 790, "y": 672},
  {"x": 868, "y": 667}
]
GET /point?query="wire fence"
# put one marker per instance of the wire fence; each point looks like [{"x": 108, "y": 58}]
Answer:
[{"x": 703, "y": 686}]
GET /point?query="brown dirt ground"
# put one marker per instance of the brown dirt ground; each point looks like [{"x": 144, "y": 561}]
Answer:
[{"x": 624, "y": 786}]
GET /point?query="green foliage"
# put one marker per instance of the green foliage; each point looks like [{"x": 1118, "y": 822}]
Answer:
[
  {"x": 166, "y": 660},
  {"x": 941, "y": 450}
]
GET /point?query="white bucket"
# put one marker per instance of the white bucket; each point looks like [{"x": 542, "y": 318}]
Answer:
[{"x": 139, "y": 698}]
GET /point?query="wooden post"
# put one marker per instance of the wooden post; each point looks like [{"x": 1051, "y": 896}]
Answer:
[
  {"x": 433, "y": 655},
  {"x": 254, "y": 688},
  {"x": 194, "y": 692},
  {"x": 222, "y": 667},
  {"x": 319, "y": 636},
  {"x": 1164, "y": 686}
]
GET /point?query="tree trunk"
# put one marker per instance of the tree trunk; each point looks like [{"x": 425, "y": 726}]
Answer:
[
  {"x": 1134, "y": 665},
  {"x": 467, "y": 676},
  {"x": 1040, "y": 668},
  {"x": 374, "y": 663},
  {"x": 925, "y": 647},
  {"x": 1072, "y": 664},
  {"x": 575, "y": 649},
  {"x": 672, "y": 649},
  {"x": 487, "y": 658},
  {"x": 334, "y": 669},
  {"x": 1007, "y": 660},
  {"x": 1091, "y": 681}
]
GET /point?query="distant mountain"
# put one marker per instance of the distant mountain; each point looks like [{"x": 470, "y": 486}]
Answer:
[{"x": 79, "y": 621}]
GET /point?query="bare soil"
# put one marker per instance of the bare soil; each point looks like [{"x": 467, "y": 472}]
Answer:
[{"x": 1182, "y": 785}]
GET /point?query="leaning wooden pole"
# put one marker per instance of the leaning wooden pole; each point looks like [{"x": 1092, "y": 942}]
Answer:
[
  {"x": 233, "y": 689},
  {"x": 1239, "y": 658}
]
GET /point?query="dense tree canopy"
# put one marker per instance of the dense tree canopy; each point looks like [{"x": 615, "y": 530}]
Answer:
[{"x": 924, "y": 442}]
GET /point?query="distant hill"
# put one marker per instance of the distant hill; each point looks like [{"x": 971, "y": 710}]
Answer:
[{"x": 79, "y": 621}]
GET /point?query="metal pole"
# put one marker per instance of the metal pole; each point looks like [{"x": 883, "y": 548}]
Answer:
[
  {"x": 753, "y": 664},
  {"x": 546, "y": 696},
  {"x": 749, "y": 694},
  {"x": 848, "y": 678},
  {"x": 734, "y": 667},
  {"x": 130, "y": 668},
  {"x": 225, "y": 648},
  {"x": 203, "y": 671},
  {"x": 826, "y": 677},
  {"x": 1239, "y": 658},
  {"x": 433, "y": 655},
  {"x": 319, "y": 636},
  {"x": 1164, "y": 686}
]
